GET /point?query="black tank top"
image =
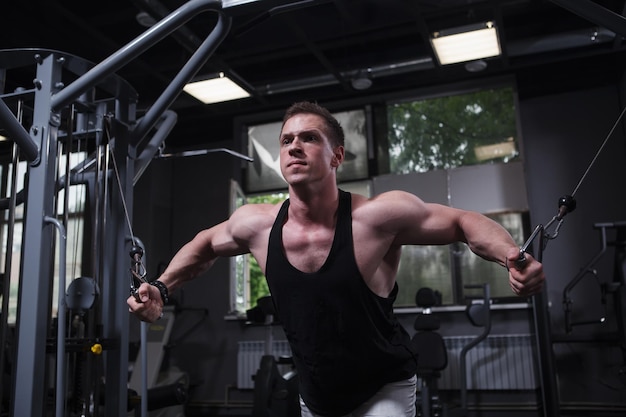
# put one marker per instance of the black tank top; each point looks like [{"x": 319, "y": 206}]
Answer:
[{"x": 345, "y": 340}]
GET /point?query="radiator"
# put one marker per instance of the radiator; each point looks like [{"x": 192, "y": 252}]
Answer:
[
  {"x": 249, "y": 358},
  {"x": 500, "y": 362}
]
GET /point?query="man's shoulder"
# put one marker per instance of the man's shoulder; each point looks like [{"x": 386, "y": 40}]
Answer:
[
  {"x": 258, "y": 210},
  {"x": 388, "y": 209},
  {"x": 251, "y": 222},
  {"x": 383, "y": 199}
]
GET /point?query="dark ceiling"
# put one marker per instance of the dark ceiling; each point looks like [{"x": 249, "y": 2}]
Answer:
[{"x": 286, "y": 51}]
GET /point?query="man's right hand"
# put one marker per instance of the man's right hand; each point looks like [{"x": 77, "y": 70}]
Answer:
[{"x": 147, "y": 304}]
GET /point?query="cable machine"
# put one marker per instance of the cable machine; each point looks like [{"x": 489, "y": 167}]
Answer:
[{"x": 73, "y": 100}]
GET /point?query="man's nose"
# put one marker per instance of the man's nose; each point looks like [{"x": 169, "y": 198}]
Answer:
[{"x": 295, "y": 146}]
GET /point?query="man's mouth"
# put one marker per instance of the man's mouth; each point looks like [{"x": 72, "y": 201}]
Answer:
[{"x": 296, "y": 162}]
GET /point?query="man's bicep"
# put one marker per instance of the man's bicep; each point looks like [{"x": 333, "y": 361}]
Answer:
[
  {"x": 245, "y": 230},
  {"x": 226, "y": 239},
  {"x": 431, "y": 224}
]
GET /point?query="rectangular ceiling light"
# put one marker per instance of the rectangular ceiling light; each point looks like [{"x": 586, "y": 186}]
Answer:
[
  {"x": 233, "y": 3},
  {"x": 467, "y": 43},
  {"x": 215, "y": 90}
]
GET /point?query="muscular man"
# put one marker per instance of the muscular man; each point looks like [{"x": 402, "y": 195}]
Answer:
[{"x": 330, "y": 258}]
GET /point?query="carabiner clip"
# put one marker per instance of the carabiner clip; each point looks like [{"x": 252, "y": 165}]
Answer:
[{"x": 137, "y": 271}]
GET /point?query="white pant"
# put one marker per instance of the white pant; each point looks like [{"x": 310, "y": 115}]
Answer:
[{"x": 396, "y": 399}]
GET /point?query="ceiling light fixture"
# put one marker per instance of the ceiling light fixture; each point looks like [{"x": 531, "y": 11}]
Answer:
[
  {"x": 467, "y": 43},
  {"x": 145, "y": 19},
  {"x": 216, "y": 89},
  {"x": 476, "y": 66},
  {"x": 362, "y": 80},
  {"x": 233, "y": 3}
]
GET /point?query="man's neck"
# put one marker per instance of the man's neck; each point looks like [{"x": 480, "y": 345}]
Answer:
[{"x": 318, "y": 206}]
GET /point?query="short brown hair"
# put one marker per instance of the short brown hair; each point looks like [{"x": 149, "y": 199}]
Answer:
[{"x": 335, "y": 131}]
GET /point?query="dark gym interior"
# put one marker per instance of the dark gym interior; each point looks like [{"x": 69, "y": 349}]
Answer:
[{"x": 103, "y": 83}]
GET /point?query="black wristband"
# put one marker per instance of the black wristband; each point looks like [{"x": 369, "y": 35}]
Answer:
[{"x": 162, "y": 290}]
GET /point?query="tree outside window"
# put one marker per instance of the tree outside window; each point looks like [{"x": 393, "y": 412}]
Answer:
[{"x": 452, "y": 131}]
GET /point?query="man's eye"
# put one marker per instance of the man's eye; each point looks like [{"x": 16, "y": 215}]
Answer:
[{"x": 311, "y": 138}]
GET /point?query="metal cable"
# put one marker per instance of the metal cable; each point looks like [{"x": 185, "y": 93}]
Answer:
[
  {"x": 119, "y": 184},
  {"x": 599, "y": 151}
]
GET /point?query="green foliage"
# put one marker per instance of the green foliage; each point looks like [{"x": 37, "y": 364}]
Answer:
[
  {"x": 442, "y": 133},
  {"x": 258, "y": 283}
]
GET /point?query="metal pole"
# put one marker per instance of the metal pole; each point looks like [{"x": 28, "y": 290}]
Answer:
[
  {"x": 35, "y": 281},
  {"x": 8, "y": 260},
  {"x": 60, "y": 374},
  {"x": 547, "y": 371},
  {"x": 16, "y": 132}
]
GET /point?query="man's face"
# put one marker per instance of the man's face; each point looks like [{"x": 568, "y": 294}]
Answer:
[{"x": 306, "y": 152}]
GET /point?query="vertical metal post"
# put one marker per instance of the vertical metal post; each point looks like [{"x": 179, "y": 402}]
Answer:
[
  {"x": 36, "y": 278},
  {"x": 60, "y": 363},
  {"x": 619, "y": 281},
  {"x": 543, "y": 337},
  {"x": 8, "y": 260},
  {"x": 115, "y": 316}
]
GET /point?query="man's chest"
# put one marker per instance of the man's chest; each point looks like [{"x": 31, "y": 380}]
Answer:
[{"x": 307, "y": 248}]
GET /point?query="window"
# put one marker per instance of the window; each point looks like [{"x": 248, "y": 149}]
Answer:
[
  {"x": 248, "y": 283},
  {"x": 239, "y": 269},
  {"x": 73, "y": 230},
  {"x": 458, "y": 150},
  {"x": 452, "y": 131}
]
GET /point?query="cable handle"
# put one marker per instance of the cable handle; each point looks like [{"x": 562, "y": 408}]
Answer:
[
  {"x": 567, "y": 204},
  {"x": 137, "y": 271},
  {"x": 520, "y": 262}
]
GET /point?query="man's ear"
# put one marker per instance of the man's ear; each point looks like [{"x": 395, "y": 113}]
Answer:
[{"x": 339, "y": 156}]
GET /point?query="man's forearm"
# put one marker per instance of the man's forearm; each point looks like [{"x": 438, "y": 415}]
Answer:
[
  {"x": 187, "y": 264},
  {"x": 486, "y": 238}
]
